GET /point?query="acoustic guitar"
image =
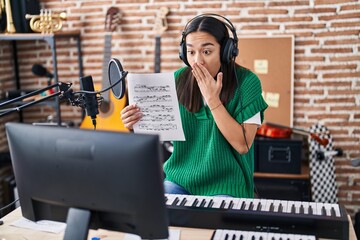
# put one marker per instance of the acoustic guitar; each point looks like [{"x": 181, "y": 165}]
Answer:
[
  {"x": 109, "y": 110},
  {"x": 159, "y": 28}
]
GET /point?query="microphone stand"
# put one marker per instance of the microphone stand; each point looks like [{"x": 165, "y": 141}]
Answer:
[{"x": 63, "y": 87}]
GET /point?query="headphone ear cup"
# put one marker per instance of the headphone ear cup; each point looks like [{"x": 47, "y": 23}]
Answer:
[
  {"x": 182, "y": 53},
  {"x": 227, "y": 52}
]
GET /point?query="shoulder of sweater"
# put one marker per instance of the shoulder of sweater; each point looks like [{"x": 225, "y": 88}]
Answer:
[
  {"x": 247, "y": 79},
  {"x": 179, "y": 71}
]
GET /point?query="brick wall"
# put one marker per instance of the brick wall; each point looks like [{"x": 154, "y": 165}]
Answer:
[{"x": 327, "y": 59}]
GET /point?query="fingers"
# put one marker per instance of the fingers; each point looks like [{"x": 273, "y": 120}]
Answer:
[
  {"x": 219, "y": 79},
  {"x": 130, "y": 115},
  {"x": 200, "y": 72}
]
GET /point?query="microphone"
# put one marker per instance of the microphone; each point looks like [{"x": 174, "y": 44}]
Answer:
[
  {"x": 116, "y": 76},
  {"x": 91, "y": 101},
  {"x": 40, "y": 71}
]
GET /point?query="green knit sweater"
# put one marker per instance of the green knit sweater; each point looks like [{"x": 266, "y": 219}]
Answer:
[{"x": 206, "y": 164}]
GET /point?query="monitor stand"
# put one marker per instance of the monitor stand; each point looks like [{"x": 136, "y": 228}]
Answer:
[{"x": 77, "y": 224}]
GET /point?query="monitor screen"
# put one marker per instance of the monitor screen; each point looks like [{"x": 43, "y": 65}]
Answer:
[{"x": 116, "y": 178}]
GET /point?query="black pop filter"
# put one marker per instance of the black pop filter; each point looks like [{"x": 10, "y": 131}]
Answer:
[{"x": 115, "y": 73}]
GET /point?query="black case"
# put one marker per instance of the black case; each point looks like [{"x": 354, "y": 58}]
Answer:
[{"x": 278, "y": 155}]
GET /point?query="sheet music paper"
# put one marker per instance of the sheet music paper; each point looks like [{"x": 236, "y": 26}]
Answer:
[{"x": 155, "y": 95}]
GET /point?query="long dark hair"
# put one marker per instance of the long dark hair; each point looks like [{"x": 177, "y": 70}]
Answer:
[{"x": 187, "y": 89}]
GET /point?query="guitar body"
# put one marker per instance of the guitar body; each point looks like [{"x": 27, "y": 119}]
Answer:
[
  {"x": 109, "y": 115},
  {"x": 110, "y": 108}
]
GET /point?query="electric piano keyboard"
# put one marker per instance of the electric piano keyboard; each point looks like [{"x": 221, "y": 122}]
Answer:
[
  {"x": 324, "y": 220},
  {"x": 225, "y": 234}
]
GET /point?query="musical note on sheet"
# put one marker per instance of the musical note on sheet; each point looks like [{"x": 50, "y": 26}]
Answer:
[{"x": 155, "y": 95}]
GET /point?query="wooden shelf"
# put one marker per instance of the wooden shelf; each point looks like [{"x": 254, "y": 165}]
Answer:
[{"x": 305, "y": 174}]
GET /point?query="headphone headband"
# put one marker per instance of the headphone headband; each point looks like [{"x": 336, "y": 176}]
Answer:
[{"x": 228, "y": 23}]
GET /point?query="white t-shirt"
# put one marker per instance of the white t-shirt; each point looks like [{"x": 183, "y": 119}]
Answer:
[{"x": 254, "y": 119}]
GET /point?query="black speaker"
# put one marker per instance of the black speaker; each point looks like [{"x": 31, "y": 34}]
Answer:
[
  {"x": 283, "y": 188},
  {"x": 19, "y": 9}
]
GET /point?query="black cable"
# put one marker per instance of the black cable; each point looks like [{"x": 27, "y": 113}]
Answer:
[
  {"x": 257, "y": 195},
  {"x": 9, "y": 205}
]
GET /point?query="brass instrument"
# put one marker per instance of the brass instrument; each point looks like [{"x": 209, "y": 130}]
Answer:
[
  {"x": 2, "y": 7},
  {"x": 46, "y": 22},
  {"x": 10, "y": 27}
]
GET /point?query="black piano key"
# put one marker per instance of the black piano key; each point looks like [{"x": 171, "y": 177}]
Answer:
[
  {"x": 259, "y": 207},
  {"x": 231, "y": 204},
  {"x": 251, "y": 207},
  {"x": 233, "y": 237},
  {"x": 222, "y": 205},
  {"x": 241, "y": 237},
  {"x": 183, "y": 202},
  {"x": 293, "y": 209},
  {"x": 226, "y": 237},
  {"x": 195, "y": 202},
  {"x": 175, "y": 201},
  {"x": 333, "y": 213},
  {"x": 253, "y": 238},
  {"x": 203, "y": 202},
  {"x": 280, "y": 209},
  {"x": 272, "y": 207},
  {"x": 243, "y": 205},
  {"x": 311, "y": 210},
  {"x": 323, "y": 211},
  {"x": 273, "y": 238},
  {"x": 211, "y": 203},
  {"x": 302, "y": 210},
  {"x": 261, "y": 238}
]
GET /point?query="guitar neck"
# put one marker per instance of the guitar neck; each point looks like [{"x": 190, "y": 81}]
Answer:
[
  {"x": 107, "y": 55},
  {"x": 157, "y": 54}
]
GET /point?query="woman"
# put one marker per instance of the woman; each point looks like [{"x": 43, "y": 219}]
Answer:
[{"x": 221, "y": 107}]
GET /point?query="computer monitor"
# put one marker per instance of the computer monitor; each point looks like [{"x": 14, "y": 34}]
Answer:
[{"x": 108, "y": 180}]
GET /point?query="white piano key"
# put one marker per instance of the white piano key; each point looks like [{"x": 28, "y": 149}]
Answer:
[
  {"x": 235, "y": 203},
  {"x": 313, "y": 207},
  {"x": 239, "y": 204},
  {"x": 190, "y": 200},
  {"x": 303, "y": 237},
  {"x": 171, "y": 198},
  {"x": 319, "y": 208},
  {"x": 257, "y": 235},
  {"x": 337, "y": 210},
  {"x": 256, "y": 204},
  {"x": 218, "y": 201},
  {"x": 305, "y": 207},
  {"x": 266, "y": 204},
  {"x": 290, "y": 205},
  {"x": 205, "y": 201},
  {"x": 277, "y": 204},
  {"x": 247, "y": 202},
  {"x": 217, "y": 235}
]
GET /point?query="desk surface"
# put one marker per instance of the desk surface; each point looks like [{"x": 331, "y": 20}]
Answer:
[{"x": 28, "y": 234}]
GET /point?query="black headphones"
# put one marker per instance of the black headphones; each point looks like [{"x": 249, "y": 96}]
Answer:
[{"x": 229, "y": 48}]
